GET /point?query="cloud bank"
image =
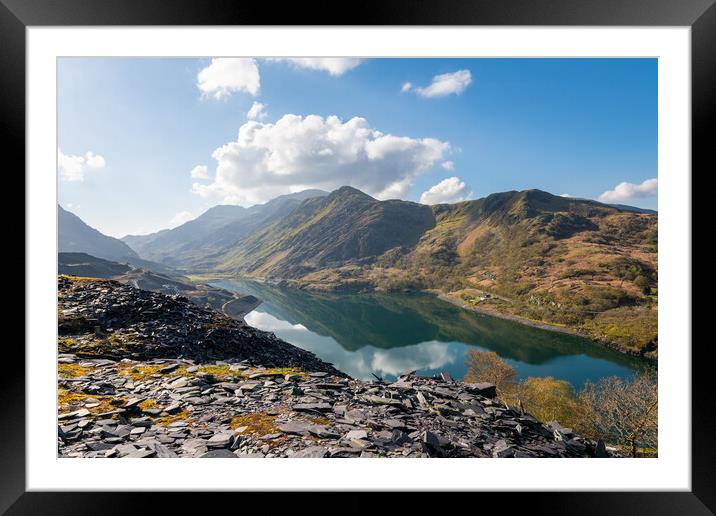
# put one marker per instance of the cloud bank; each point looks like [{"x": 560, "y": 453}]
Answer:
[
  {"x": 227, "y": 75},
  {"x": 296, "y": 153},
  {"x": 73, "y": 168},
  {"x": 625, "y": 192},
  {"x": 446, "y": 191}
]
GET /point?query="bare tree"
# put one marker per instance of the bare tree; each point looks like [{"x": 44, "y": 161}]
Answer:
[
  {"x": 624, "y": 411},
  {"x": 487, "y": 366}
]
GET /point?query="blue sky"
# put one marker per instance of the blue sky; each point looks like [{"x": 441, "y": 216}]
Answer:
[{"x": 132, "y": 130}]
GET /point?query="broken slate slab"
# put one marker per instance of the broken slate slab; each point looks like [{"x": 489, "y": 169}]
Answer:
[
  {"x": 222, "y": 440},
  {"x": 356, "y": 434},
  {"x": 218, "y": 454},
  {"x": 312, "y": 452},
  {"x": 295, "y": 427},
  {"x": 313, "y": 407}
]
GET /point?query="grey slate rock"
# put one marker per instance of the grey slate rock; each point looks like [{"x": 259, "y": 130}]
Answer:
[
  {"x": 312, "y": 452},
  {"x": 218, "y": 454},
  {"x": 222, "y": 440},
  {"x": 295, "y": 427},
  {"x": 141, "y": 454}
]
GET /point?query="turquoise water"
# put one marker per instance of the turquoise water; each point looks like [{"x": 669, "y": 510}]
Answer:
[{"x": 390, "y": 333}]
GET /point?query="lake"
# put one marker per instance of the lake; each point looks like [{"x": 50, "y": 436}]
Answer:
[{"x": 391, "y": 333}]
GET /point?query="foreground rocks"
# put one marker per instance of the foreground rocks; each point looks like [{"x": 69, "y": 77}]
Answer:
[
  {"x": 113, "y": 320},
  {"x": 269, "y": 399}
]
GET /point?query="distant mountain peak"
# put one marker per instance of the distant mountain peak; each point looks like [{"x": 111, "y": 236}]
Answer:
[
  {"x": 224, "y": 209},
  {"x": 345, "y": 191},
  {"x": 309, "y": 192},
  {"x": 77, "y": 236},
  {"x": 214, "y": 230}
]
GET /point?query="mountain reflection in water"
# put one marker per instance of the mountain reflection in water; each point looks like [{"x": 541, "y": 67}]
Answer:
[{"x": 391, "y": 333}]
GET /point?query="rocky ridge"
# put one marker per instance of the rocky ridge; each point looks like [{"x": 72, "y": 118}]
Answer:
[
  {"x": 142, "y": 374},
  {"x": 112, "y": 320}
]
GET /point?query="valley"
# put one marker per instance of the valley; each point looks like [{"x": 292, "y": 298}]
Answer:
[{"x": 571, "y": 265}]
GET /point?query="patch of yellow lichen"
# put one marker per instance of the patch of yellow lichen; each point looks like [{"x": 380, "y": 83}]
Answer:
[
  {"x": 90, "y": 344},
  {"x": 319, "y": 420},
  {"x": 65, "y": 343},
  {"x": 256, "y": 423},
  {"x": 219, "y": 371},
  {"x": 71, "y": 370},
  {"x": 148, "y": 404},
  {"x": 68, "y": 401},
  {"x": 165, "y": 421},
  {"x": 139, "y": 372},
  {"x": 283, "y": 371}
]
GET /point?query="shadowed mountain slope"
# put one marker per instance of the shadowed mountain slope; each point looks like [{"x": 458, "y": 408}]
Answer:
[
  {"x": 75, "y": 236},
  {"x": 220, "y": 227},
  {"x": 347, "y": 226}
]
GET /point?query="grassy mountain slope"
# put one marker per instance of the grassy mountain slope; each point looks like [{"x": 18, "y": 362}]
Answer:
[
  {"x": 563, "y": 261},
  {"x": 345, "y": 227},
  {"x": 193, "y": 243}
]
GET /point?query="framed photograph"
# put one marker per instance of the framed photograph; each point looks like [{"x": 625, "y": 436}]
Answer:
[{"x": 432, "y": 241}]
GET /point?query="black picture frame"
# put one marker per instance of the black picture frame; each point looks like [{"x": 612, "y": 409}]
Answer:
[{"x": 700, "y": 15}]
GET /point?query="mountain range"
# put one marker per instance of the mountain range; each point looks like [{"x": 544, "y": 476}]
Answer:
[
  {"x": 567, "y": 261},
  {"x": 346, "y": 226},
  {"x": 75, "y": 236},
  {"x": 216, "y": 229}
]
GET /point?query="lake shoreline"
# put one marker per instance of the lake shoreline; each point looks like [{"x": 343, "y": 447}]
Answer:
[
  {"x": 540, "y": 325},
  {"x": 501, "y": 315},
  {"x": 485, "y": 311}
]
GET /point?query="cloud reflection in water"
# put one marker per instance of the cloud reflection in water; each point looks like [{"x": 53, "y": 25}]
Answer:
[{"x": 427, "y": 357}]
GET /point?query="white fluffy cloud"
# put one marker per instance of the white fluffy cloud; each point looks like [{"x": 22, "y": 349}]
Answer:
[
  {"x": 448, "y": 165},
  {"x": 446, "y": 191},
  {"x": 332, "y": 65},
  {"x": 94, "y": 160},
  {"x": 625, "y": 192},
  {"x": 407, "y": 86},
  {"x": 227, "y": 75},
  {"x": 200, "y": 172},
  {"x": 73, "y": 168},
  {"x": 180, "y": 218},
  {"x": 444, "y": 84},
  {"x": 257, "y": 111},
  {"x": 299, "y": 152}
]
